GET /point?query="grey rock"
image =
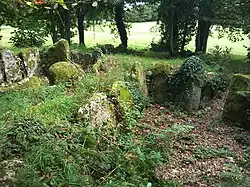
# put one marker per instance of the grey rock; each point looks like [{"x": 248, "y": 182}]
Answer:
[
  {"x": 10, "y": 66},
  {"x": 85, "y": 60},
  {"x": 31, "y": 59}
]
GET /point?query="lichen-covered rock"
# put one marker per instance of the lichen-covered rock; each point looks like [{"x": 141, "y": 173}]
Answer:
[
  {"x": 30, "y": 58},
  {"x": 122, "y": 94},
  {"x": 100, "y": 66},
  {"x": 237, "y": 108},
  {"x": 85, "y": 60},
  {"x": 237, "y": 105},
  {"x": 239, "y": 82},
  {"x": 159, "y": 77},
  {"x": 190, "y": 98},
  {"x": 141, "y": 78},
  {"x": 59, "y": 52},
  {"x": 64, "y": 72},
  {"x": 10, "y": 65},
  {"x": 99, "y": 112}
]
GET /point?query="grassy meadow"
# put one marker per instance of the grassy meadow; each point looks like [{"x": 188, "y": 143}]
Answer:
[{"x": 140, "y": 37}]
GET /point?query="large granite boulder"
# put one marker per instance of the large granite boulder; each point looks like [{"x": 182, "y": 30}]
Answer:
[
  {"x": 237, "y": 105},
  {"x": 64, "y": 72},
  {"x": 99, "y": 113},
  {"x": 30, "y": 60},
  {"x": 159, "y": 76},
  {"x": 10, "y": 67}
]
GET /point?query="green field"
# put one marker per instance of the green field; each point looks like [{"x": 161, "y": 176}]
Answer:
[{"x": 140, "y": 37}]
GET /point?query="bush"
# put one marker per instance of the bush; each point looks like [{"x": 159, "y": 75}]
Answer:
[
  {"x": 221, "y": 55},
  {"x": 28, "y": 38}
]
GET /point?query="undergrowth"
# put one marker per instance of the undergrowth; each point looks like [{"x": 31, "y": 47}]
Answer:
[{"x": 39, "y": 127}]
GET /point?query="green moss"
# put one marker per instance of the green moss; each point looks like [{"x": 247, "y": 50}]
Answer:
[
  {"x": 63, "y": 72},
  {"x": 123, "y": 94},
  {"x": 237, "y": 107},
  {"x": 31, "y": 58},
  {"x": 239, "y": 82},
  {"x": 161, "y": 69},
  {"x": 141, "y": 78},
  {"x": 59, "y": 52},
  {"x": 33, "y": 82}
]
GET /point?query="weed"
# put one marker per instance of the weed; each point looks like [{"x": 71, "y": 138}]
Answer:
[
  {"x": 234, "y": 177},
  {"x": 202, "y": 152}
]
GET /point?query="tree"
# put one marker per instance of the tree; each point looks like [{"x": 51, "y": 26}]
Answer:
[
  {"x": 177, "y": 24},
  {"x": 119, "y": 20}
]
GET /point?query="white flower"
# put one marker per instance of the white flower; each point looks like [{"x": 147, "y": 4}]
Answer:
[{"x": 94, "y": 4}]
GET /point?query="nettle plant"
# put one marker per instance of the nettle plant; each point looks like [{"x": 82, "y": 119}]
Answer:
[{"x": 191, "y": 71}]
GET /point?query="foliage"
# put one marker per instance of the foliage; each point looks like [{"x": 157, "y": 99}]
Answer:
[
  {"x": 221, "y": 56},
  {"x": 191, "y": 71},
  {"x": 31, "y": 28},
  {"x": 210, "y": 152},
  {"x": 141, "y": 13},
  {"x": 28, "y": 38}
]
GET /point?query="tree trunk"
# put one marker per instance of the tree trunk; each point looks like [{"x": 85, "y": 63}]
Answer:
[
  {"x": 120, "y": 24},
  {"x": 202, "y": 36},
  {"x": 53, "y": 26},
  {"x": 80, "y": 19},
  {"x": 67, "y": 25},
  {"x": 171, "y": 32},
  {"x": 61, "y": 22}
]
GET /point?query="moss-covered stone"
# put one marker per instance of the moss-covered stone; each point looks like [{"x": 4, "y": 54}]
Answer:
[
  {"x": 10, "y": 67},
  {"x": 237, "y": 108},
  {"x": 99, "y": 112},
  {"x": 33, "y": 82},
  {"x": 161, "y": 69},
  {"x": 237, "y": 105},
  {"x": 84, "y": 59},
  {"x": 141, "y": 78},
  {"x": 59, "y": 52},
  {"x": 239, "y": 82},
  {"x": 122, "y": 93},
  {"x": 63, "y": 72},
  {"x": 30, "y": 58},
  {"x": 159, "y": 78},
  {"x": 100, "y": 66}
]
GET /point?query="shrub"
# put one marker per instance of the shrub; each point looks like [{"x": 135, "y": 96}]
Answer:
[
  {"x": 221, "y": 55},
  {"x": 28, "y": 38}
]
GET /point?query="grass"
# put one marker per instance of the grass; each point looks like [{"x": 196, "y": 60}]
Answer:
[
  {"x": 40, "y": 127},
  {"x": 140, "y": 37}
]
